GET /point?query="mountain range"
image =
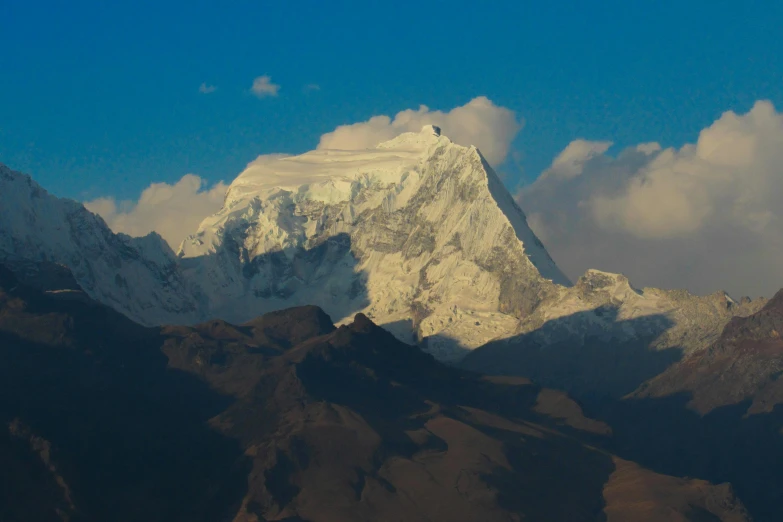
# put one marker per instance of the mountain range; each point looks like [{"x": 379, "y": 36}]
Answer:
[
  {"x": 418, "y": 233},
  {"x": 364, "y": 335}
]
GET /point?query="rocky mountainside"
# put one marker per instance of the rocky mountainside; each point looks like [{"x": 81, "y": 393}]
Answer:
[
  {"x": 94, "y": 425},
  {"x": 603, "y": 337},
  {"x": 716, "y": 414},
  {"x": 681, "y": 398},
  {"x": 743, "y": 365},
  {"x": 287, "y": 417}
]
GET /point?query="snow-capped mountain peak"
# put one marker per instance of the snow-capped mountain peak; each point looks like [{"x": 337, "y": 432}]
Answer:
[{"x": 418, "y": 232}]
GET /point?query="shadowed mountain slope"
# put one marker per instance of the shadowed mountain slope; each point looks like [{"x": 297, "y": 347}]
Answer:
[
  {"x": 716, "y": 414},
  {"x": 746, "y": 362},
  {"x": 288, "y": 418}
]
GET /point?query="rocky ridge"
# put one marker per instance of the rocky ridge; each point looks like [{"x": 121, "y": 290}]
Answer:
[{"x": 603, "y": 337}]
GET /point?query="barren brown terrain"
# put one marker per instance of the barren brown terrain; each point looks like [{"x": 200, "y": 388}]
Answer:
[{"x": 289, "y": 418}]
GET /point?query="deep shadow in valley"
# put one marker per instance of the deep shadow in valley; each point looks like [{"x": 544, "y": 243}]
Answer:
[
  {"x": 565, "y": 354},
  {"x": 725, "y": 445},
  {"x": 662, "y": 434},
  {"x": 94, "y": 424}
]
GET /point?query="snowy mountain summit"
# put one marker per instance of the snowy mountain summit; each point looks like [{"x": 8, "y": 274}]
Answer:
[{"x": 418, "y": 233}]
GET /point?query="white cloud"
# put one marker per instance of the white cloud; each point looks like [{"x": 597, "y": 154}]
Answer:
[
  {"x": 705, "y": 216},
  {"x": 479, "y": 122},
  {"x": 173, "y": 211},
  {"x": 571, "y": 161},
  {"x": 263, "y": 86},
  {"x": 206, "y": 89},
  {"x": 310, "y": 87}
]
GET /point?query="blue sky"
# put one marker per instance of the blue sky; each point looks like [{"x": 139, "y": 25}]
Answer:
[{"x": 102, "y": 98}]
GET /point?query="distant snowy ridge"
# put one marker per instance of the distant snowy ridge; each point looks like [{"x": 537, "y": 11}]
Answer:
[{"x": 140, "y": 277}]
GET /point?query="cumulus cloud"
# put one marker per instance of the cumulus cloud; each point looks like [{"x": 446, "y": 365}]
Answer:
[
  {"x": 706, "y": 216},
  {"x": 173, "y": 211},
  {"x": 479, "y": 122},
  {"x": 263, "y": 86},
  {"x": 310, "y": 87},
  {"x": 571, "y": 161},
  {"x": 206, "y": 89}
]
